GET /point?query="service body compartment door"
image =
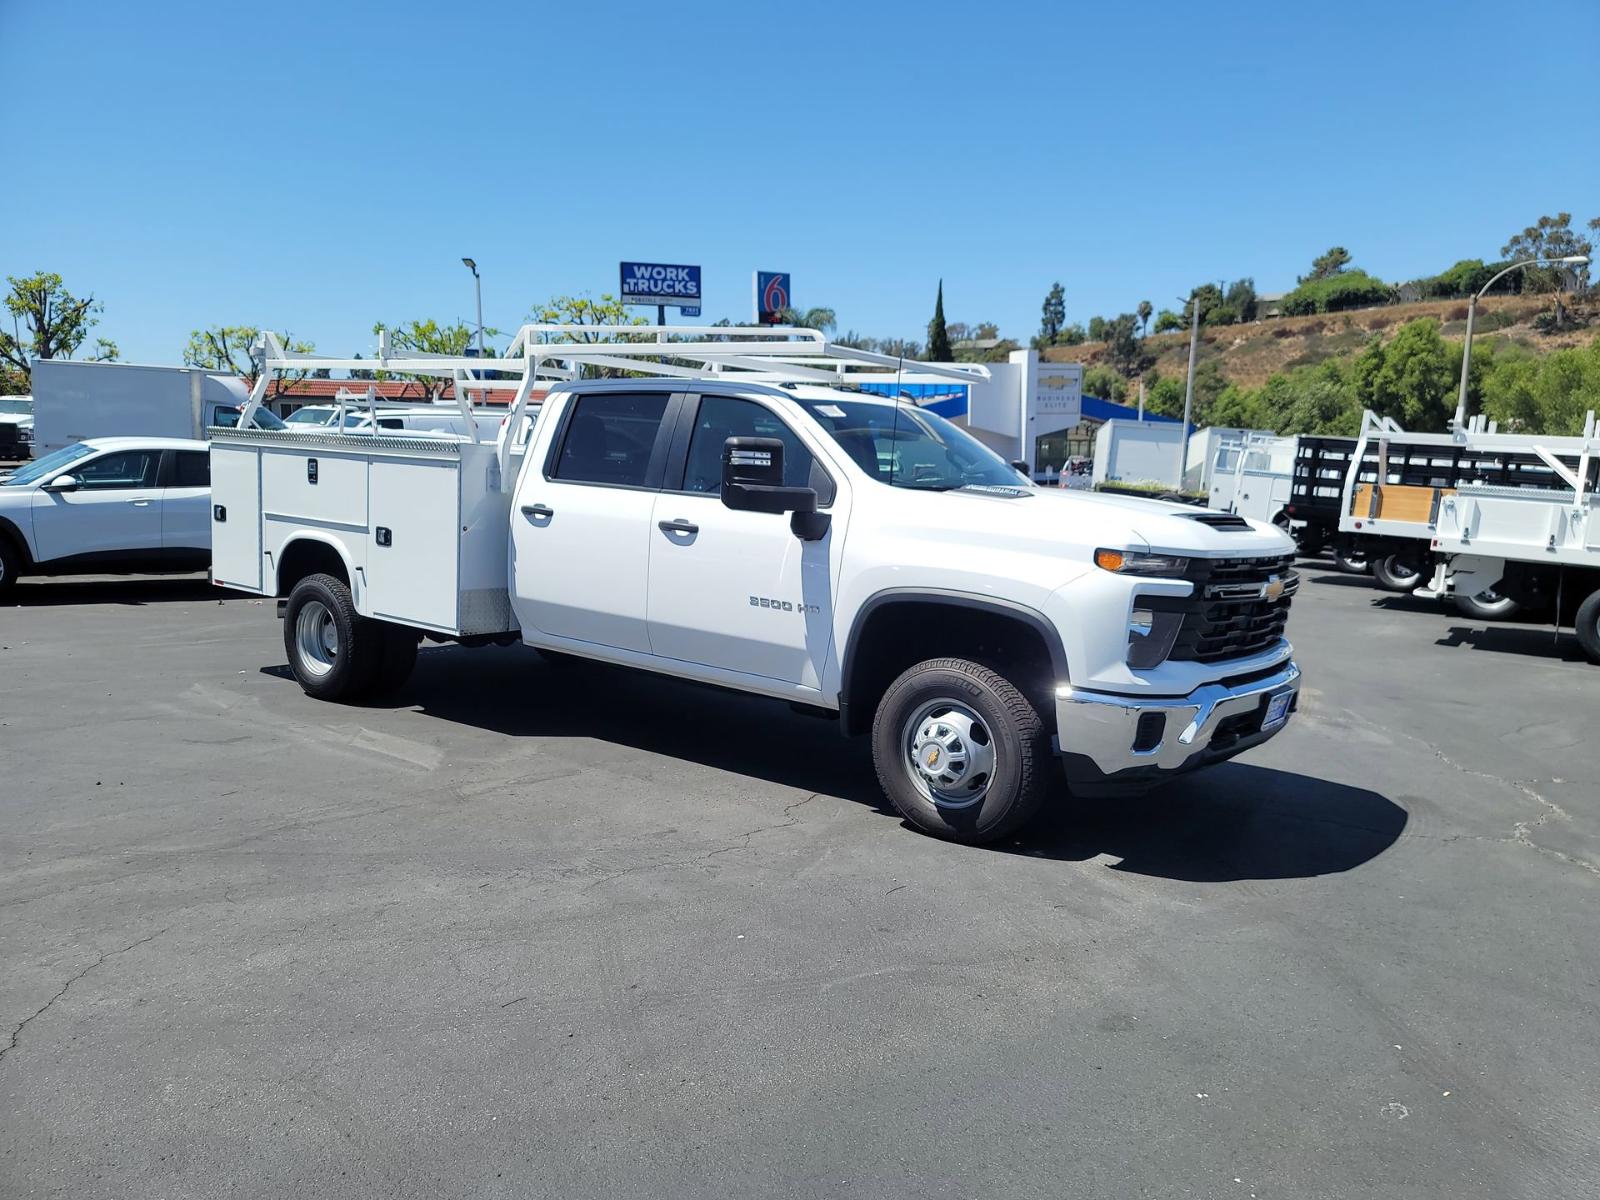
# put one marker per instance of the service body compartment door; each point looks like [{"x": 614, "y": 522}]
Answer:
[
  {"x": 412, "y": 566},
  {"x": 236, "y": 516}
]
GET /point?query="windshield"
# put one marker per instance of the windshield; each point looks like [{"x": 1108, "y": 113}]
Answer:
[
  {"x": 43, "y": 468},
  {"x": 227, "y": 417},
  {"x": 910, "y": 447},
  {"x": 11, "y": 404},
  {"x": 310, "y": 416}
]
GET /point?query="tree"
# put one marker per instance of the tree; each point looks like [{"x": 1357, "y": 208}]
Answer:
[
  {"x": 822, "y": 319},
  {"x": 1055, "y": 314},
  {"x": 47, "y": 321},
  {"x": 583, "y": 310},
  {"x": 1325, "y": 266},
  {"x": 1411, "y": 379},
  {"x": 1240, "y": 298},
  {"x": 226, "y": 349},
  {"x": 938, "y": 335},
  {"x": 1097, "y": 329},
  {"x": 429, "y": 337},
  {"x": 1550, "y": 237},
  {"x": 1122, "y": 346},
  {"x": 1144, "y": 310},
  {"x": 1208, "y": 296},
  {"x": 1168, "y": 321},
  {"x": 1105, "y": 383}
]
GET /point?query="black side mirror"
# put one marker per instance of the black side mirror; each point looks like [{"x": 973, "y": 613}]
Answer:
[
  {"x": 63, "y": 483},
  {"x": 752, "y": 481},
  {"x": 1021, "y": 468}
]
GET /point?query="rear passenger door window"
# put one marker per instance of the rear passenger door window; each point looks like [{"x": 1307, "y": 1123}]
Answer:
[{"x": 612, "y": 438}]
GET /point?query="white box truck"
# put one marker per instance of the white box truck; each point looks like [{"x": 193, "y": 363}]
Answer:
[
  {"x": 728, "y": 510},
  {"x": 73, "y": 401}
]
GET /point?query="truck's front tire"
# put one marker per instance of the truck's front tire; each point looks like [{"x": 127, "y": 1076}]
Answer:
[
  {"x": 960, "y": 752},
  {"x": 333, "y": 650}
]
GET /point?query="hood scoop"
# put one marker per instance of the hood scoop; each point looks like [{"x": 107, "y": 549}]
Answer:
[{"x": 1222, "y": 521}]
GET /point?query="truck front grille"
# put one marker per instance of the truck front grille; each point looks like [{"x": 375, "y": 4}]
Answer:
[{"x": 1240, "y": 607}]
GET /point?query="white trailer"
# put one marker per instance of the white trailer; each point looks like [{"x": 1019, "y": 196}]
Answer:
[
  {"x": 1136, "y": 452},
  {"x": 73, "y": 401}
]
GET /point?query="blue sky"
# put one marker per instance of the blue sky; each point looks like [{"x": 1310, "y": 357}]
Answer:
[{"x": 318, "y": 167}]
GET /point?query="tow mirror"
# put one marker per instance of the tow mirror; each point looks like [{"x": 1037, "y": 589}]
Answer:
[
  {"x": 752, "y": 481},
  {"x": 64, "y": 483}
]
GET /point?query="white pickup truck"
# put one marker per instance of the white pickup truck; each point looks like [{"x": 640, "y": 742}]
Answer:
[{"x": 793, "y": 539}]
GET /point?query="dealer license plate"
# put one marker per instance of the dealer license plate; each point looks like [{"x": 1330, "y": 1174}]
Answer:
[{"x": 1277, "y": 710}]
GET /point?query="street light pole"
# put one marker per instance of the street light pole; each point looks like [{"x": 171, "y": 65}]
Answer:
[
  {"x": 1460, "y": 422},
  {"x": 477, "y": 284},
  {"x": 1188, "y": 392}
]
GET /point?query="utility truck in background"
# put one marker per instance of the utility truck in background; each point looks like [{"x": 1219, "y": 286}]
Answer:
[
  {"x": 74, "y": 401},
  {"x": 729, "y": 507},
  {"x": 1537, "y": 543}
]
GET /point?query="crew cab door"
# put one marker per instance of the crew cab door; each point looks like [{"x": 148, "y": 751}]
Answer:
[
  {"x": 115, "y": 509},
  {"x": 186, "y": 500},
  {"x": 734, "y": 590},
  {"x": 581, "y": 524}
]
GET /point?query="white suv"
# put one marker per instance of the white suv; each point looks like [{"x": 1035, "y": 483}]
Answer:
[{"x": 108, "y": 505}]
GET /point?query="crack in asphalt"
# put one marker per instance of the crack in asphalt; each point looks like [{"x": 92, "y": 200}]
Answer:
[
  {"x": 1521, "y": 831},
  {"x": 743, "y": 843},
  {"x": 22, "y": 1024}
]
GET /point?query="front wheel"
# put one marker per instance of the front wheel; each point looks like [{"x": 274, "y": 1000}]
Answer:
[
  {"x": 333, "y": 650},
  {"x": 960, "y": 752},
  {"x": 1397, "y": 573}
]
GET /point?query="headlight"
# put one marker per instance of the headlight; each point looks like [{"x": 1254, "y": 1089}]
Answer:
[{"x": 1132, "y": 562}]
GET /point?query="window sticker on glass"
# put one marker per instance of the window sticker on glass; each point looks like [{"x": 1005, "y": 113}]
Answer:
[{"x": 830, "y": 410}]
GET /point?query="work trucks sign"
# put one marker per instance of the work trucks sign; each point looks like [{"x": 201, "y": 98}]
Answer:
[{"x": 660, "y": 284}]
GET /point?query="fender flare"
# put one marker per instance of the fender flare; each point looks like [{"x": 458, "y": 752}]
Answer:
[
  {"x": 993, "y": 605},
  {"x": 304, "y": 535}
]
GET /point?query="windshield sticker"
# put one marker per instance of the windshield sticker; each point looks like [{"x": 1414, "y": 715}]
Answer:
[{"x": 831, "y": 410}]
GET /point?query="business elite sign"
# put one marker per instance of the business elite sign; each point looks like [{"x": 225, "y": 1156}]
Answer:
[
  {"x": 772, "y": 296},
  {"x": 661, "y": 284}
]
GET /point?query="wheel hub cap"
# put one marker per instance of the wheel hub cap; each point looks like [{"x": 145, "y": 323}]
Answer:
[
  {"x": 317, "y": 638},
  {"x": 950, "y": 753}
]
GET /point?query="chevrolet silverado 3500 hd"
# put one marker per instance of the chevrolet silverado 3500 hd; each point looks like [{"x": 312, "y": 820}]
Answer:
[{"x": 747, "y": 520}]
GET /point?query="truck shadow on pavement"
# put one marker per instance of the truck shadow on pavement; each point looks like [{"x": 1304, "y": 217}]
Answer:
[
  {"x": 1531, "y": 641},
  {"x": 1235, "y": 821}
]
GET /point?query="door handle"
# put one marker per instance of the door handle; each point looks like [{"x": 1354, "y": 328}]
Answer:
[
  {"x": 677, "y": 527},
  {"x": 139, "y": 503},
  {"x": 537, "y": 512}
]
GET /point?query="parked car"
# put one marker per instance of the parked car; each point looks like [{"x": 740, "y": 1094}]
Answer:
[
  {"x": 109, "y": 505},
  {"x": 16, "y": 427},
  {"x": 422, "y": 418}
]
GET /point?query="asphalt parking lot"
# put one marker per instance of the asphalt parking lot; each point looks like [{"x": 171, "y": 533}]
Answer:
[{"x": 508, "y": 936}]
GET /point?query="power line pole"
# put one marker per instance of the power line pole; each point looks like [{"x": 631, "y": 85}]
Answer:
[{"x": 1188, "y": 393}]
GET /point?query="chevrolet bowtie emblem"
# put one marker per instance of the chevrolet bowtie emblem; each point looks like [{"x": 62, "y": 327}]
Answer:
[{"x": 1272, "y": 589}]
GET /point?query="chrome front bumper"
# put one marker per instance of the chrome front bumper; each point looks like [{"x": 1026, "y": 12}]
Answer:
[{"x": 1129, "y": 744}]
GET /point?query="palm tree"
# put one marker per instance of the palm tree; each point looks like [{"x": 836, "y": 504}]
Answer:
[
  {"x": 1144, "y": 310},
  {"x": 822, "y": 319}
]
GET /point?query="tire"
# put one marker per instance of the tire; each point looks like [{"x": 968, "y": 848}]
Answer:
[
  {"x": 1352, "y": 562},
  {"x": 966, "y": 717},
  {"x": 1397, "y": 573},
  {"x": 1487, "y": 605},
  {"x": 397, "y": 658},
  {"x": 10, "y": 566},
  {"x": 333, "y": 651},
  {"x": 1587, "y": 626}
]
